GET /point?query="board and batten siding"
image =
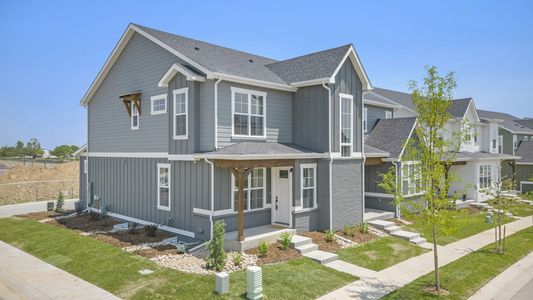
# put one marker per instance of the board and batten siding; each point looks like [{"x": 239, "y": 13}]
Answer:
[
  {"x": 310, "y": 118},
  {"x": 139, "y": 67},
  {"x": 374, "y": 114},
  {"x": 373, "y": 178},
  {"x": 278, "y": 115}
]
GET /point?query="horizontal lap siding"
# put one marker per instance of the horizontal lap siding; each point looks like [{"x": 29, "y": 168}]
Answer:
[
  {"x": 183, "y": 146},
  {"x": 140, "y": 67}
]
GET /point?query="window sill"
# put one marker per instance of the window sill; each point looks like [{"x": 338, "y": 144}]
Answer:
[
  {"x": 247, "y": 137},
  {"x": 163, "y": 208},
  {"x": 137, "y": 128},
  {"x": 305, "y": 210},
  {"x": 158, "y": 113},
  {"x": 181, "y": 137}
]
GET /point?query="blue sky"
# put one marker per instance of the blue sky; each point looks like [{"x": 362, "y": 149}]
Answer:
[{"x": 52, "y": 50}]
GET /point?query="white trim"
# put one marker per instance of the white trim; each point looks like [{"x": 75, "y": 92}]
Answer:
[
  {"x": 341, "y": 144},
  {"x": 354, "y": 58},
  {"x": 407, "y": 178},
  {"x": 173, "y": 70},
  {"x": 315, "y": 183},
  {"x": 159, "y": 167},
  {"x": 155, "y": 98},
  {"x": 211, "y": 196},
  {"x": 129, "y": 154},
  {"x": 355, "y": 155},
  {"x": 249, "y": 114},
  {"x": 142, "y": 222},
  {"x": 247, "y": 189},
  {"x": 181, "y": 157},
  {"x": 393, "y": 104},
  {"x": 524, "y": 163},
  {"x": 475, "y": 110},
  {"x": 273, "y": 188},
  {"x": 135, "y": 114},
  {"x": 408, "y": 137},
  {"x": 524, "y": 182},
  {"x": 379, "y": 195},
  {"x": 216, "y": 213},
  {"x": 388, "y": 114},
  {"x": 500, "y": 144},
  {"x": 186, "y": 113},
  {"x": 216, "y": 112},
  {"x": 365, "y": 120},
  {"x": 330, "y": 164},
  {"x": 254, "y": 82},
  {"x": 313, "y": 82},
  {"x": 85, "y": 166}
]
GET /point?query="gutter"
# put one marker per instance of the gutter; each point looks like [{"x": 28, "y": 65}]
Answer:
[
  {"x": 216, "y": 112},
  {"x": 212, "y": 191},
  {"x": 330, "y": 156}
]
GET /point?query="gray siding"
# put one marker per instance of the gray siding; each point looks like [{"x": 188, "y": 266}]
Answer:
[
  {"x": 140, "y": 67},
  {"x": 347, "y": 82},
  {"x": 278, "y": 114},
  {"x": 386, "y": 204},
  {"x": 373, "y": 178},
  {"x": 374, "y": 114},
  {"x": 507, "y": 141},
  {"x": 206, "y": 116},
  {"x": 523, "y": 173},
  {"x": 184, "y": 146},
  {"x": 310, "y": 119},
  {"x": 251, "y": 219},
  {"x": 347, "y": 192}
]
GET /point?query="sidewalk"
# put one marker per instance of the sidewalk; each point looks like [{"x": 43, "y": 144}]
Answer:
[
  {"x": 509, "y": 283},
  {"x": 375, "y": 286},
  {"x": 25, "y": 208},
  {"x": 23, "y": 276}
]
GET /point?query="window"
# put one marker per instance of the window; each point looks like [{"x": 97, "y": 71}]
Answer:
[
  {"x": 180, "y": 113},
  {"x": 388, "y": 114},
  {"x": 248, "y": 113},
  {"x": 485, "y": 176},
  {"x": 515, "y": 142},
  {"x": 526, "y": 138},
  {"x": 500, "y": 144},
  {"x": 346, "y": 124},
  {"x": 411, "y": 178},
  {"x": 159, "y": 104},
  {"x": 254, "y": 190},
  {"x": 85, "y": 165},
  {"x": 134, "y": 116},
  {"x": 494, "y": 145},
  {"x": 163, "y": 186},
  {"x": 365, "y": 119},
  {"x": 308, "y": 186}
]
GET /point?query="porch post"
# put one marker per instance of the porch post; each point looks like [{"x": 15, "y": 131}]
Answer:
[{"x": 240, "y": 176}]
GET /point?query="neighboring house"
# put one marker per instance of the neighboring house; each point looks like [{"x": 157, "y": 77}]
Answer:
[
  {"x": 524, "y": 167},
  {"x": 179, "y": 129}
]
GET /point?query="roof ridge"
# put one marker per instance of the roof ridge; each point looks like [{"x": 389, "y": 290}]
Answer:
[{"x": 309, "y": 54}]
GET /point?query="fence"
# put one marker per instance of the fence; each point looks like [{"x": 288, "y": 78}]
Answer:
[{"x": 30, "y": 191}]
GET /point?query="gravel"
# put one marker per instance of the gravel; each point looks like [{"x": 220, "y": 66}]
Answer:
[{"x": 192, "y": 264}]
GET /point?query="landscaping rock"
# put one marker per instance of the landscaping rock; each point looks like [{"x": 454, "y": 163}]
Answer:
[{"x": 192, "y": 264}]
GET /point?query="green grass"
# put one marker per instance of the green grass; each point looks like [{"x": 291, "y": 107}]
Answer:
[
  {"x": 117, "y": 271},
  {"x": 381, "y": 253},
  {"x": 522, "y": 210},
  {"x": 468, "y": 225},
  {"x": 465, "y": 276}
]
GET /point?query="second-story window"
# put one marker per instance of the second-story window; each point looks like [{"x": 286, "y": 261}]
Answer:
[
  {"x": 180, "y": 113},
  {"x": 365, "y": 119},
  {"x": 134, "y": 116},
  {"x": 346, "y": 125},
  {"x": 388, "y": 114},
  {"x": 248, "y": 113},
  {"x": 159, "y": 104}
]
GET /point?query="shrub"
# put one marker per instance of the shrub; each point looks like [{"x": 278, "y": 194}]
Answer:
[
  {"x": 262, "y": 248},
  {"x": 132, "y": 228},
  {"x": 285, "y": 240},
  {"x": 349, "y": 230},
  {"x": 237, "y": 259},
  {"x": 329, "y": 236},
  {"x": 180, "y": 248},
  {"x": 363, "y": 227},
  {"x": 216, "y": 258},
  {"x": 59, "y": 203},
  {"x": 151, "y": 230}
]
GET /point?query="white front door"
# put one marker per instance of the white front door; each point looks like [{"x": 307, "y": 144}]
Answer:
[{"x": 281, "y": 195}]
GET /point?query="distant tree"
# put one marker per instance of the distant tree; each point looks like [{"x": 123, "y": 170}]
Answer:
[
  {"x": 64, "y": 150},
  {"x": 8, "y": 151},
  {"x": 33, "y": 148},
  {"x": 20, "y": 148}
]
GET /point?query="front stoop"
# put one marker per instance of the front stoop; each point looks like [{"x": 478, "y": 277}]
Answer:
[
  {"x": 307, "y": 248},
  {"x": 396, "y": 231}
]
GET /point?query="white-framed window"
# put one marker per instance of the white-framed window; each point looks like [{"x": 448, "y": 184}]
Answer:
[
  {"x": 163, "y": 186},
  {"x": 254, "y": 191},
  {"x": 159, "y": 104},
  {"x": 365, "y": 120},
  {"x": 181, "y": 116},
  {"x": 85, "y": 165},
  {"x": 388, "y": 114},
  {"x": 526, "y": 138},
  {"x": 308, "y": 183},
  {"x": 500, "y": 144},
  {"x": 485, "y": 176},
  {"x": 515, "y": 141},
  {"x": 494, "y": 145},
  {"x": 134, "y": 116},
  {"x": 346, "y": 124},
  {"x": 248, "y": 110},
  {"x": 411, "y": 178}
]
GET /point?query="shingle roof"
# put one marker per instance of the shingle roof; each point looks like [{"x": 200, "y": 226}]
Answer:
[
  {"x": 467, "y": 156},
  {"x": 311, "y": 66},
  {"x": 399, "y": 97},
  {"x": 249, "y": 149},
  {"x": 391, "y": 134},
  {"x": 526, "y": 122},
  {"x": 375, "y": 152},
  {"x": 458, "y": 107},
  {"x": 372, "y": 96},
  {"x": 510, "y": 122},
  {"x": 525, "y": 150}
]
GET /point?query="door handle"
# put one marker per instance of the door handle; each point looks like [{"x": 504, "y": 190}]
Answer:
[{"x": 276, "y": 202}]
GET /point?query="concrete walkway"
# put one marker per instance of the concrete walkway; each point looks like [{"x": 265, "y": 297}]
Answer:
[
  {"x": 23, "y": 276},
  {"x": 375, "y": 286},
  {"x": 510, "y": 283},
  {"x": 30, "y": 207}
]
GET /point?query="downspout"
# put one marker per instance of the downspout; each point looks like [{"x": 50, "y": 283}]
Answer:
[
  {"x": 398, "y": 215},
  {"x": 330, "y": 157},
  {"x": 212, "y": 191},
  {"x": 87, "y": 193},
  {"x": 216, "y": 112}
]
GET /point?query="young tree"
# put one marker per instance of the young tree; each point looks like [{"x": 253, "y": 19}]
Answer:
[
  {"x": 216, "y": 258},
  {"x": 433, "y": 148}
]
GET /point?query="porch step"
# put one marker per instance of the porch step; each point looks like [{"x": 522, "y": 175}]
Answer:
[
  {"x": 418, "y": 241},
  {"x": 406, "y": 235},
  {"x": 380, "y": 224},
  {"x": 374, "y": 214},
  {"x": 321, "y": 257},
  {"x": 304, "y": 249},
  {"x": 393, "y": 229},
  {"x": 298, "y": 240}
]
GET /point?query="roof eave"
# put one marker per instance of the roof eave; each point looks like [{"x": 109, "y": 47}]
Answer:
[{"x": 358, "y": 66}]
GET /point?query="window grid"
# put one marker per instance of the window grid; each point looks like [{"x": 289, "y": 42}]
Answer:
[
  {"x": 163, "y": 186},
  {"x": 411, "y": 178},
  {"x": 180, "y": 113},
  {"x": 134, "y": 116},
  {"x": 254, "y": 190},
  {"x": 485, "y": 176},
  {"x": 159, "y": 104},
  {"x": 346, "y": 125},
  {"x": 248, "y": 113},
  {"x": 308, "y": 186}
]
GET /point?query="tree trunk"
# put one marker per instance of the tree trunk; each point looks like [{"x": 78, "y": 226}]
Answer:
[{"x": 436, "y": 259}]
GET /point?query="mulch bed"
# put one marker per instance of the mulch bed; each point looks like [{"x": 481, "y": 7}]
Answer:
[
  {"x": 319, "y": 238},
  {"x": 274, "y": 255},
  {"x": 86, "y": 223},
  {"x": 359, "y": 238}
]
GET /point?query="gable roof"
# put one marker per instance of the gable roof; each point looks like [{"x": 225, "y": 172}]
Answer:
[
  {"x": 458, "y": 107},
  {"x": 372, "y": 98},
  {"x": 261, "y": 150},
  {"x": 391, "y": 135},
  {"x": 232, "y": 65},
  {"x": 404, "y": 99},
  {"x": 525, "y": 150},
  {"x": 509, "y": 122},
  {"x": 526, "y": 122}
]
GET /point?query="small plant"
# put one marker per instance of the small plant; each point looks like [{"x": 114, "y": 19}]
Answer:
[
  {"x": 262, "y": 248},
  {"x": 285, "y": 240},
  {"x": 132, "y": 228},
  {"x": 216, "y": 258},
  {"x": 363, "y": 228},
  {"x": 329, "y": 236},
  {"x": 151, "y": 230},
  {"x": 59, "y": 203},
  {"x": 349, "y": 230},
  {"x": 237, "y": 259},
  {"x": 180, "y": 248}
]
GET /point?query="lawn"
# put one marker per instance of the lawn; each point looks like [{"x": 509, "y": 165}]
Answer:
[
  {"x": 381, "y": 253},
  {"x": 465, "y": 276},
  {"x": 522, "y": 210},
  {"x": 117, "y": 271},
  {"x": 468, "y": 225}
]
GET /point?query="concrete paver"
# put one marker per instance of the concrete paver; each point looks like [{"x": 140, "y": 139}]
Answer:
[{"x": 23, "y": 276}]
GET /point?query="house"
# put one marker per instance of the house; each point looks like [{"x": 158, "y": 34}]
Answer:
[{"x": 183, "y": 133}]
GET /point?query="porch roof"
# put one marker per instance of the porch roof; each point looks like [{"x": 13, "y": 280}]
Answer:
[
  {"x": 262, "y": 151},
  {"x": 375, "y": 152},
  {"x": 468, "y": 156},
  {"x": 525, "y": 150}
]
